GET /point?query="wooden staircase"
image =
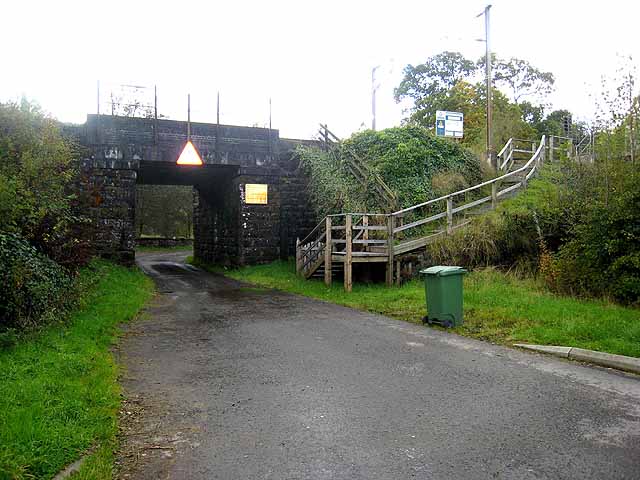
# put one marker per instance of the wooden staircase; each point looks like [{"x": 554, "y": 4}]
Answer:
[{"x": 387, "y": 237}]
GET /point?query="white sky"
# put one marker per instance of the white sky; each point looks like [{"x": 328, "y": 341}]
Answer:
[{"x": 313, "y": 59}]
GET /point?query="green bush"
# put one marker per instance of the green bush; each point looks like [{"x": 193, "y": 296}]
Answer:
[
  {"x": 35, "y": 290},
  {"x": 601, "y": 256},
  {"x": 38, "y": 172},
  {"x": 407, "y": 158},
  {"x": 576, "y": 225}
]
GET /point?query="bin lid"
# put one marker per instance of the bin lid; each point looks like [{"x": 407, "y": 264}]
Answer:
[{"x": 443, "y": 270}]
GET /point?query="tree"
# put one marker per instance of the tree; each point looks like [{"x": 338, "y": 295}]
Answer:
[
  {"x": 618, "y": 113},
  {"x": 430, "y": 83},
  {"x": 444, "y": 82},
  {"x": 521, "y": 78}
]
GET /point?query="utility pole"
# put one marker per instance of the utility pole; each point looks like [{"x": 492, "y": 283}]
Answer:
[
  {"x": 487, "y": 38},
  {"x": 218, "y": 126},
  {"x": 270, "y": 140},
  {"x": 373, "y": 97}
]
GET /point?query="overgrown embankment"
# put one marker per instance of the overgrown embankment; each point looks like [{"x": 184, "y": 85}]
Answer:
[
  {"x": 416, "y": 165},
  {"x": 577, "y": 227},
  {"x": 59, "y": 395}
]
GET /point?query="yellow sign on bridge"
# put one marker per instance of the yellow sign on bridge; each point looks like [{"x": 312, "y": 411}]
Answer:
[{"x": 255, "y": 193}]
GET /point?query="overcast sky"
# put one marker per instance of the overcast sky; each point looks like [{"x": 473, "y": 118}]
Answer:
[{"x": 314, "y": 59}]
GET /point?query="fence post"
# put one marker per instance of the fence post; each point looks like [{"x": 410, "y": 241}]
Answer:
[
  {"x": 449, "y": 215},
  {"x": 348, "y": 259},
  {"x": 551, "y": 149},
  {"x": 328, "y": 250},
  {"x": 298, "y": 257},
  {"x": 570, "y": 149},
  {"x": 390, "y": 227},
  {"x": 365, "y": 233},
  {"x": 494, "y": 195}
]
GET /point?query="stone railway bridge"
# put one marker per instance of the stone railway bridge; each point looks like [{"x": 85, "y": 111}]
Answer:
[{"x": 122, "y": 152}]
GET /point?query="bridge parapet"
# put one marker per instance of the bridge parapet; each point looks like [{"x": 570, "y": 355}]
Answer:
[{"x": 134, "y": 139}]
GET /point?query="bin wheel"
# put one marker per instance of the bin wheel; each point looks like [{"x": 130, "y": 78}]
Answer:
[
  {"x": 448, "y": 324},
  {"x": 426, "y": 320}
]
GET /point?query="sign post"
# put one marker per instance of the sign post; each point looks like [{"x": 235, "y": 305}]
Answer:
[{"x": 449, "y": 124}]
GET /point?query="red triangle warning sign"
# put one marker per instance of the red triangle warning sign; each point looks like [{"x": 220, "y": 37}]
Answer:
[{"x": 189, "y": 155}]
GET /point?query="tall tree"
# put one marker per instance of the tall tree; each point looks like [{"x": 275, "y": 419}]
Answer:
[
  {"x": 618, "y": 112},
  {"x": 521, "y": 79},
  {"x": 429, "y": 84}
]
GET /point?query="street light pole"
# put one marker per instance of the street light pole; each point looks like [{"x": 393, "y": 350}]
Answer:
[{"x": 487, "y": 37}]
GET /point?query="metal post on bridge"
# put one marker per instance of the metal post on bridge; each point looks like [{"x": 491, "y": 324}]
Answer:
[
  {"x": 155, "y": 115},
  {"x": 551, "y": 149},
  {"x": 217, "y": 145}
]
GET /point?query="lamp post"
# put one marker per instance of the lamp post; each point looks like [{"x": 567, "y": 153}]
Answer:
[{"x": 490, "y": 157}]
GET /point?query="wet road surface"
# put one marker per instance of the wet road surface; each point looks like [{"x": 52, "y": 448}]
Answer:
[{"x": 225, "y": 381}]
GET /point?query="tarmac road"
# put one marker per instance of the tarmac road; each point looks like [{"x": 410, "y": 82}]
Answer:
[{"x": 226, "y": 381}]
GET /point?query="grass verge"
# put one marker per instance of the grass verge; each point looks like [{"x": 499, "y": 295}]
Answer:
[
  {"x": 59, "y": 395},
  {"x": 500, "y": 308}
]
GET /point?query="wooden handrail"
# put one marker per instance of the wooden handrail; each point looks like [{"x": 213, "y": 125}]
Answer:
[
  {"x": 475, "y": 187},
  {"x": 306, "y": 239},
  {"x": 506, "y": 145}
]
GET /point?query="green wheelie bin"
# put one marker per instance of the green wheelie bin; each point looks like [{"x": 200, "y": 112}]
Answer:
[{"x": 443, "y": 287}]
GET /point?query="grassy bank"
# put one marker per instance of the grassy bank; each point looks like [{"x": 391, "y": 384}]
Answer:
[
  {"x": 58, "y": 391},
  {"x": 499, "y": 308}
]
